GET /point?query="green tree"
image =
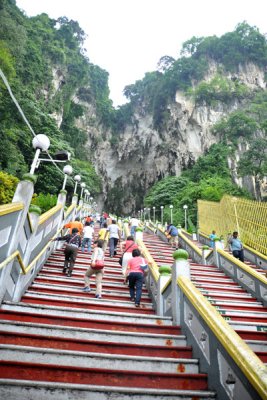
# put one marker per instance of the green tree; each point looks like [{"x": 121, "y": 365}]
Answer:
[
  {"x": 8, "y": 184},
  {"x": 254, "y": 163}
]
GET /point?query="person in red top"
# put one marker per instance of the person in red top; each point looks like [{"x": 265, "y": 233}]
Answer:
[
  {"x": 136, "y": 276},
  {"x": 128, "y": 246}
]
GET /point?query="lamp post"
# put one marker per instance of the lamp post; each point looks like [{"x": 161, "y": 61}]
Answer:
[
  {"x": 185, "y": 207},
  {"x": 148, "y": 213},
  {"x": 77, "y": 179},
  {"x": 144, "y": 214},
  {"x": 161, "y": 208},
  {"x": 83, "y": 187},
  {"x": 67, "y": 172},
  {"x": 40, "y": 143},
  {"x": 154, "y": 212},
  {"x": 171, "y": 208},
  {"x": 141, "y": 214}
]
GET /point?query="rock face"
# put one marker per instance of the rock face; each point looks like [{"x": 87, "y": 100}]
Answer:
[{"x": 142, "y": 155}]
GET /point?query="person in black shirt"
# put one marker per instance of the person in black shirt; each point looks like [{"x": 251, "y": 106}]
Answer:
[{"x": 73, "y": 242}]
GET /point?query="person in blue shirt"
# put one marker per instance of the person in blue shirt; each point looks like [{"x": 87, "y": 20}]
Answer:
[
  {"x": 212, "y": 236},
  {"x": 236, "y": 246}
]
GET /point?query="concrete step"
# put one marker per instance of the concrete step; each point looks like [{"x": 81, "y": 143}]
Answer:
[
  {"x": 85, "y": 333},
  {"x": 41, "y": 341},
  {"x": 86, "y": 322},
  {"x": 119, "y": 362},
  {"x": 107, "y": 294},
  {"x": 29, "y": 390},
  {"x": 99, "y": 376},
  {"x": 77, "y": 302},
  {"x": 86, "y": 313},
  {"x": 79, "y": 282}
]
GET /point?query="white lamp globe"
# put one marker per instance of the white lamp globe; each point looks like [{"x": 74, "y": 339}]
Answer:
[
  {"x": 41, "y": 142},
  {"x": 67, "y": 169},
  {"x": 83, "y": 185},
  {"x": 77, "y": 178}
]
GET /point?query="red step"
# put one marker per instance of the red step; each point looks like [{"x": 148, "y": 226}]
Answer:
[
  {"x": 90, "y": 323},
  {"x": 103, "y": 377},
  {"x": 24, "y": 339},
  {"x": 93, "y": 306}
]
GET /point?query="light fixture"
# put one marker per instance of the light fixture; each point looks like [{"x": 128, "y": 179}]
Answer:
[
  {"x": 67, "y": 172},
  {"x": 40, "y": 143},
  {"x": 77, "y": 179}
]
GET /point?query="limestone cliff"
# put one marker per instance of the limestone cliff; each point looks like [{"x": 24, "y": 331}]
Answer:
[{"x": 143, "y": 155}]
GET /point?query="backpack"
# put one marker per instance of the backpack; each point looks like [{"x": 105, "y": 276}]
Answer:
[{"x": 174, "y": 231}]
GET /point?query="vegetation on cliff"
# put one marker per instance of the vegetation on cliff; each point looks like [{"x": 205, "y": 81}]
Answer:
[{"x": 32, "y": 52}]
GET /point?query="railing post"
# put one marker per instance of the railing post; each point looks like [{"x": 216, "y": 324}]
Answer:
[
  {"x": 205, "y": 252},
  {"x": 217, "y": 245},
  {"x": 23, "y": 194},
  {"x": 165, "y": 273},
  {"x": 181, "y": 267}
]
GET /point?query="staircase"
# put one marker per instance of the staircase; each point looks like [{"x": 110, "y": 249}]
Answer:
[
  {"x": 61, "y": 343},
  {"x": 246, "y": 315}
]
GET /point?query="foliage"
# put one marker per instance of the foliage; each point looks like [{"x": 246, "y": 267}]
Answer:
[
  {"x": 44, "y": 201},
  {"x": 8, "y": 184},
  {"x": 32, "y": 51},
  {"x": 254, "y": 162},
  {"x": 219, "y": 89},
  {"x": 238, "y": 124},
  {"x": 209, "y": 179}
]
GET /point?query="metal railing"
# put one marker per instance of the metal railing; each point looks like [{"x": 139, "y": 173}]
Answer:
[{"x": 236, "y": 214}]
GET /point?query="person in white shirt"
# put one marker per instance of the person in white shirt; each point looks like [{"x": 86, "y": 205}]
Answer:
[
  {"x": 88, "y": 233},
  {"x": 134, "y": 223},
  {"x": 114, "y": 237}
]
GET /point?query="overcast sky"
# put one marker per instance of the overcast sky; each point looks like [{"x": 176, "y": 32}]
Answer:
[{"x": 128, "y": 37}]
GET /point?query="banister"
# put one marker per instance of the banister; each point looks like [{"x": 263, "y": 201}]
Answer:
[
  {"x": 44, "y": 217},
  {"x": 10, "y": 208},
  {"x": 243, "y": 266},
  {"x": 69, "y": 210},
  {"x": 154, "y": 267},
  {"x": 192, "y": 245},
  {"x": 240, "y": 352},
  {"x": 17, "y": 255},
  {"x": 41, "y": 252}
]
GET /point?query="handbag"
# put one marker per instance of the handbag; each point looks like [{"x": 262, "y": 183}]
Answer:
[
  {"x": 144, "y": 266},
  {"x": 98, "y": 264},
  {"x": 120, "y": 259}
]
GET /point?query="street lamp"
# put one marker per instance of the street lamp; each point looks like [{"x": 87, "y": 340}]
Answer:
[
  {"x": 154, "y": 211},
  {"x": 171, "y": 207},
  {"x": 83, "y": 187},
  {"x": 40, "y": 143},
  {"x": 161, "y": 208},
  {"x": 148, "y": 213},
  {"x": 86, "y": 191},
  {"x": 77, "y": 179},
  {"x": 185, "y": 207},
  {"x": 67, "y": 171},
  {"x": 144, "y": 214}
]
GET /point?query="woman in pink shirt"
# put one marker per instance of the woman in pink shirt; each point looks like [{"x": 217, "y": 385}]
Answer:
[{"x": 136, "y": 276}]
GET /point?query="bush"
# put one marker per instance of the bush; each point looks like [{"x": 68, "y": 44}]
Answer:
[
  {"x": 44, "y": 201},
  {"x": 8, "y": 184}
]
